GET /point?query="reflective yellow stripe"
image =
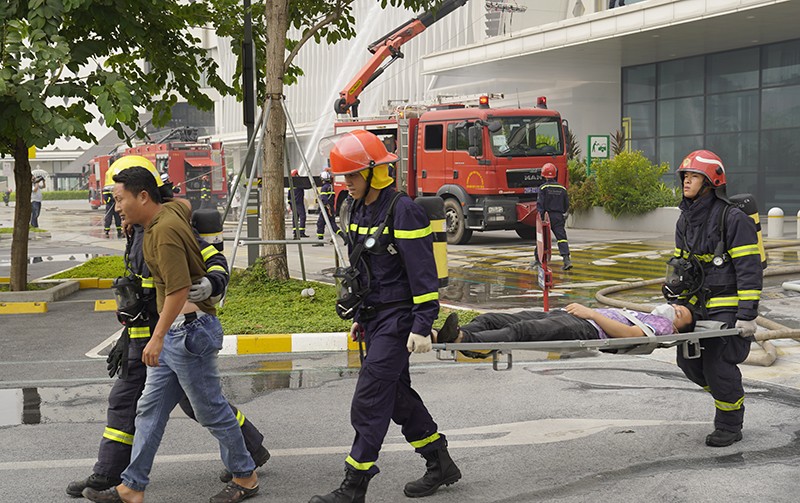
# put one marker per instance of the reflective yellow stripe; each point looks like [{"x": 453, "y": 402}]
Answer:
[
  {"x": 240, "y": 418},
  {"x": 749, "y": 294},
  {"x": 138, "y": 332},
  {"x": 741, "y": 251},
  {"x": 562, "y": 241},
  {"x": 359, "y": 466},
  {"x": 118, "y": 436},
  {"x": 723, "y": 302},
  {"x": 147, "y": 282},
  {"x": 708, "y": 257},
  {"x": 419, "y": 299},
  {"x": 217, "y": 268},
  {"x": 413, "y": 234},
  {"x": 727, "y": 406},
  {"x": 208, "y": 252},
  {"x": 425, "y": 441},
  {"x": 366, "y": 230},
  {"x": 707, "y": 388}
]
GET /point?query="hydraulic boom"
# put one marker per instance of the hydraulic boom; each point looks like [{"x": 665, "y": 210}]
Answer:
[{"x": 388, "y": 46}]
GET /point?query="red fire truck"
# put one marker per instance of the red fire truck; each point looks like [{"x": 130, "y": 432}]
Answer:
[
  {"x": 485, "y": 163},
  {"x": 97, "y": 168},
  {"x": 190, "y": 164}
]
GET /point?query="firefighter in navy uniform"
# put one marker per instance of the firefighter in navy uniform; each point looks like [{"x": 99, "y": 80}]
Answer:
[
  {"x": 394, "y": 311},
  {"x": 205, "y": 192},
  {"x": 326, "y": 198},
  {"x": 554, "y": 201},
  {"x": 108, "y": 199},
  {"x": 140, "y": 319},
  {"x": 716, "y": 267},
  {"x": 298, "y": 194}
]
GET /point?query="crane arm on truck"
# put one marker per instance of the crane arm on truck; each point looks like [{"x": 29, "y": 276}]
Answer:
[{"x": 388, "y": 46}]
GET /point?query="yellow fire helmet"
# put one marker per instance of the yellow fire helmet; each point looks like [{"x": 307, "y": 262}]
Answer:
[{"x": 130, "y": 161}]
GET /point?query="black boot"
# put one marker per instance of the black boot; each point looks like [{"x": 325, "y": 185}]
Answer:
[
  {"x": 567, "y": 265},
  {"x": 95, "y": 481},
  {"x": 440, "y": 470},
  {"x": 723, "y": 438},
  {"x": 352, "y": 490}
]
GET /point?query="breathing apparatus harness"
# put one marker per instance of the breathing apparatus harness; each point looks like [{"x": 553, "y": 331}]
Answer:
[
  {"x": 132, "y": 301},
  {"x": 686, "y": 275},
  {"x": 354, "y": 286}
]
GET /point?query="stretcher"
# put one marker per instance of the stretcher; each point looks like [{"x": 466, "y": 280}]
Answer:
[{"x": 689, "y": 343}]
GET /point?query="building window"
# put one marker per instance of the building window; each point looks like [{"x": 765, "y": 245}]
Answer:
[{"x": 744, "y": 105}]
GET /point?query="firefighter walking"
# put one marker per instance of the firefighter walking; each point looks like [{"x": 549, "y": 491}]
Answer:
[
  {"x": 139, "y": 319},
  {"x": 554, "y": 201},
  {"x": 298, "y": 195},
  {"x": 205, "y": 192},
  {"x": 108, "y": 199},
  {"x": 326, "y": 199},
  {"x": 717, "y": 251},
  {"x": 391, "y": 245}
]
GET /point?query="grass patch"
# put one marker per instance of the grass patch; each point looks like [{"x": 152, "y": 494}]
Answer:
[
  {"x": 5, "y": 287},
  {"x": 256, "y": 304},
  {"x": 10, "y": 230},
  {"x": 97, "y": 267}
]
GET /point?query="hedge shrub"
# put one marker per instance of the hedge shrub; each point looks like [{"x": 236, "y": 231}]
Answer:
[
  {"x": 60, "y": 195},
  {"x": 629, "y": 184}
]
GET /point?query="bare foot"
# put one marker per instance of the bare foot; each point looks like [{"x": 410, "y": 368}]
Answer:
[
  {"x": 128, "y": 495},
  {"x": 247, "y": 482}
]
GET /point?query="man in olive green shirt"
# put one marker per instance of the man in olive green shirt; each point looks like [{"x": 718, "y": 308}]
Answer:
[{"x": 182, "y": 353}]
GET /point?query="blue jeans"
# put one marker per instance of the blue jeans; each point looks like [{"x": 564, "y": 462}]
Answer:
[
  {"x": 36, "y": 208},
  {"x": 187, "y": 364}
]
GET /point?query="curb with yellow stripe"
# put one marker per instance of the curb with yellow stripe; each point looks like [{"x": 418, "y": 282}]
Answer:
[{"x": 287, "y": 343}]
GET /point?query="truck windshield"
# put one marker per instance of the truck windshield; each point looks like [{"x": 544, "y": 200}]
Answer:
[{"x": 526, "y": 136}]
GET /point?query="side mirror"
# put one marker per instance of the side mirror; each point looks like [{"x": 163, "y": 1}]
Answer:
[
  {"x": 495, "y": 126},
  {"x": 475, "y": 139}
]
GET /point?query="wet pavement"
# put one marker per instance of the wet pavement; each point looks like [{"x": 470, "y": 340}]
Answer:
[{"x": 599, "y": 428}]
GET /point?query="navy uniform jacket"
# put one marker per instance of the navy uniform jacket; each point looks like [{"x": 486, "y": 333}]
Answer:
[
  {"x": 734, "y": 287},
  {"x": 216, "y": 272},
  {"x": 298, "y": 195},
  {"x": 326, "y": 195},
  {"x": 408, "y": 275},
  {"x": 552, "y": 198}
]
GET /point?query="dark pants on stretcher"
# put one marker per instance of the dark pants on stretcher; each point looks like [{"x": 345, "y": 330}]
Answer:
[
  {"x": 528, "y": 326},
  {"x": 115, "y": 453},
  {"x": 383, "y": 392},
  {"x": 717, "y": 371}
]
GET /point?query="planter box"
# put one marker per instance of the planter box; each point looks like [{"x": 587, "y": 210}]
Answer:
[
  {"x": 59, "y": 290},
  {"x": 659, "y": 220}
]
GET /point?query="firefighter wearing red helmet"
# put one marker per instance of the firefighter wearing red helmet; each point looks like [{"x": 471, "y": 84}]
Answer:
[
  {"x": 391, "y": 247},
  {"x": 205, "y": 192},
  {"x": 298, "y": 195},
  {"x": 554, "y": 201},
  {"x": 717, "y": 255},
  {"x": 327, "y": 198}
]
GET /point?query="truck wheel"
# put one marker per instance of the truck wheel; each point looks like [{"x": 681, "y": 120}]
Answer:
[
  {"x": 455, "y": 225},
  {"x": 526, "y": 231}
]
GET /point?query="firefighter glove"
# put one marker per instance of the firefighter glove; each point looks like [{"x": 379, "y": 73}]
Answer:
[
  {"x": 200, "y": 291},
  {"x": 747, "y": 328},
  {"x": 114, "y": 359},
  {"x": 418, "y": 343},
  {"x": 356, "y": 332}
]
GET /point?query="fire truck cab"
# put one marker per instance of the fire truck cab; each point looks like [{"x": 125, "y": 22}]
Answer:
[{"x": 485, "y": 163}]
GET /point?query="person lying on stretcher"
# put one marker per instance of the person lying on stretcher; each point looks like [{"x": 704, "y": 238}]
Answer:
[{"x": 574, "y": 322}]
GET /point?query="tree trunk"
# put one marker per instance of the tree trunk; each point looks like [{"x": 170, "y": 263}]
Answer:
[
  {"x": 272, "y": 199},
  {"x": 22, "y": 218}
]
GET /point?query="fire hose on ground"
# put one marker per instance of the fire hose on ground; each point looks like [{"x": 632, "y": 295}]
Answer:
[{"x": 774, "y": 330}]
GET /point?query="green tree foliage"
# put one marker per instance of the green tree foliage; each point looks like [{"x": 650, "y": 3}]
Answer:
[
  {"x": 629, "y": 184},
  {"x": 62, "y": 59}
]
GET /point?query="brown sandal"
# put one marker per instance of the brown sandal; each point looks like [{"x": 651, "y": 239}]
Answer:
[{"x": 232, "y": 493}]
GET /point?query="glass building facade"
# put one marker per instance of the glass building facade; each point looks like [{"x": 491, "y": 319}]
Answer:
[{"x": 744, "y": 105}]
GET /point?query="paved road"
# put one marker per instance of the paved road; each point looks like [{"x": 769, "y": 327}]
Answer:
[{"x": 601, "y": 428}]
